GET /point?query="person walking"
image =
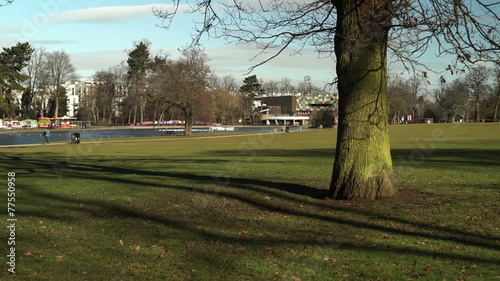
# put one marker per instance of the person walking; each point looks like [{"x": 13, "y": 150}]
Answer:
[{"x": 46, "y": 135}]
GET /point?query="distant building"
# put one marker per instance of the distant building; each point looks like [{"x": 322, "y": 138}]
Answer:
[
  {"x": 75, "y": 90},
  {"x": 295, "y": 110},
  {"x": 309, "y": 103},
  {"x": 286, "y": 104},
  {"x": 75, "y": 93}
]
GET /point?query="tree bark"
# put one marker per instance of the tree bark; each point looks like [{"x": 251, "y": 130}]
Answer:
[
  {"x": 496, "y": 105},
  {"x": 363, "y": 164},
  {"x": 56, "y": 100},
  {"x": 188, "y": 114},
  {"x": 478, "y": 118}
]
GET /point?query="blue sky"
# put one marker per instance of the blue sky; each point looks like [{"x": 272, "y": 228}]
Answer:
[{"x": 97, "y": 34}]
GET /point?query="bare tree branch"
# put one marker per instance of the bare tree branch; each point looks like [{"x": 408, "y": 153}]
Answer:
[
  {"x": 469, "y": 31},
  {"x": 6, "y": 2}
]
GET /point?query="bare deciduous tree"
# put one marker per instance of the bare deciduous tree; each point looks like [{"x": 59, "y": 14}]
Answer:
[
  {"x": 58, "y": 70},
  {"x": 106, "y": 89},
  {"x": 286, "y": 86},
  {"x": 454, "y": 99},
  {"x": 359, "y": 33},
  {"x": 34, "y": 92},
  {"x": 185, "y": 84},
  {"x": 399, "y": 95},
  {"x": 228, "y": 106},
  {"x": 271, "y": 88},
  {"x": 229, "y": 82},
  {"x": 475, "y": 82},
  {"x": 496, "y": 76}
]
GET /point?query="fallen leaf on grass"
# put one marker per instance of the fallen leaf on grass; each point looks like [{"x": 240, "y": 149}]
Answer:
[{"x": 429, "y": 268}]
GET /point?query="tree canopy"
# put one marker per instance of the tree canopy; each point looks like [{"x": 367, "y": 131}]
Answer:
[
  {"x": 13, "y": 60},
  {"x": 58, "y": 70}
]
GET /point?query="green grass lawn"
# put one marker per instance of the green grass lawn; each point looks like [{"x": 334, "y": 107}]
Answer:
[{"x": 253, "y": 208}]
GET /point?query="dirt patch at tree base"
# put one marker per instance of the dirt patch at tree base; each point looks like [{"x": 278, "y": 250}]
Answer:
[{"x": 404, "y": 197}]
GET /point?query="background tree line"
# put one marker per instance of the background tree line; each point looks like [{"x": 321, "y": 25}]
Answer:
[
  {"x": 155, "y": 87},
  {"x": 473, "y": 97},
  {"x": 34, "y": 82}
]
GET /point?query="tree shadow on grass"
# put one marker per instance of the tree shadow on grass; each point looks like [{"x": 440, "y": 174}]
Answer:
[
  {"x": 418, "y": 156},
  {"x": 237, "y": 188},
  {"x": 446, "y": 158},
  {"x": 305, "y": 153},
  {"x": 106, "y": 209}
]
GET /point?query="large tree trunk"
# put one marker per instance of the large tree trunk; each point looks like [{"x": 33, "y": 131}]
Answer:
[
  {"x": 363, "y": 165},
  {"x": 496, "y": 105},
  {"x": 56, "y": 100},
  {"x": 135, "y": 115},
  {"x": 188, "y": 126},
  {"x": 478, "y": 117}
]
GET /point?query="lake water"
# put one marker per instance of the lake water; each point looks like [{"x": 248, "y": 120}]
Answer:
[{"x": 13, "y": 137}]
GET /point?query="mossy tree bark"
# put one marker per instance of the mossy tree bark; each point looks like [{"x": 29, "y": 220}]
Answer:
[{"x": 363, "y": 165}]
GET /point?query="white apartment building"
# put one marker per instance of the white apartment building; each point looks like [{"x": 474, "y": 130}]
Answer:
[{"x": 75, "y": 90}]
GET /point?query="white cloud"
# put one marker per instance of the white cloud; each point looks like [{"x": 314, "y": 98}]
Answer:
[
  {"x": 6, "y": 29},
  {"x": 87, "y": 63},
  {"x": 236, "y": 60},
  {"x": 111, "y": 14},
  {"x": 43, "y": 43}
]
